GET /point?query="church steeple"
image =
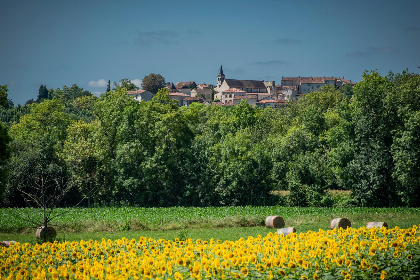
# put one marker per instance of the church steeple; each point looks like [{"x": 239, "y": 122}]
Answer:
[{"x": 220, "y": 77}]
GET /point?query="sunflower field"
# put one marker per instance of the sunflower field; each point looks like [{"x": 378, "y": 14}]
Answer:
[{"x": 352, "y": 253}]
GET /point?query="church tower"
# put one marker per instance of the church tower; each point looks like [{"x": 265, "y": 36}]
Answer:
[{"x": 220, "y": 77}]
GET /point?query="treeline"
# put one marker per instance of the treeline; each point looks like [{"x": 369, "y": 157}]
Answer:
[{"x": 117, "y": 151}]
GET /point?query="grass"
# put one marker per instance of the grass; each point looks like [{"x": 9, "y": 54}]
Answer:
[{"x": 224, "y": 223}]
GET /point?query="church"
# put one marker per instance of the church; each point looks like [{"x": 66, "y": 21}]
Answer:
[{"x": 241, "y": 87}]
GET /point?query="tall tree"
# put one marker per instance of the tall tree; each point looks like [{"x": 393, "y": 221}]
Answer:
[
  {"x": 42, "y": 93},
  {"x": 153, "y": 83},
  {"x": 3, "y": 94},
  {"x": 371, "y": 169},
  {"x": 37, "y": 174},
  {"x": 4, "y": 144},
  {"x": 108, "y": 87}
]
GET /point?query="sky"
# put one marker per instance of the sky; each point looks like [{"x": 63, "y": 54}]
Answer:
[{"x": 88, "y": 42}]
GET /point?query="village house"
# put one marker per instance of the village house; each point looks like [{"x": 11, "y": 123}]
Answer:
[
  {"x": 251, "y": 99},
  {"x": 271, "y": 102},
  {"x": 185, "y": 87},
  {"x": 179, "y": 96},
  {"x": 187, "y": 101},
  {"x": 206, "y": 93},
  {"x": 141, "y": 95},
  {"x": 303, "y": 85}
]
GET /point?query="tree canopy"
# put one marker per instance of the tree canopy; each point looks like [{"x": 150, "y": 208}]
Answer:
[
  {"x": 153, "y": 82},
  {"x": 363, "y": 140}
]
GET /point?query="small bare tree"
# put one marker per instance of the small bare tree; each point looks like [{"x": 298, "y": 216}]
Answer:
[{"x": 46, "y": 189}]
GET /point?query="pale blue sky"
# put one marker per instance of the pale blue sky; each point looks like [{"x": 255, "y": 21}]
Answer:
[{"x": 59, "y": 42}]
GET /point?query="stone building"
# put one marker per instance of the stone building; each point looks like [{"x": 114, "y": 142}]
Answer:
[
  {"x": 247, "y": 86},
  {"x": 305, "y": 85}
]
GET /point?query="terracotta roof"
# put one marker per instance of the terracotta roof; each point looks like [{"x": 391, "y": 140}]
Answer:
[
  {"x": 183, "y": 84},
  {"x": 133, "y": 92},
  {"x": 177, "y": 94},
  {"x": 240, "y": 97},
  {"x": 193, "y": 98},
  {"x": 315, "y": 80},
  {"x": 202, "y": 86},
  {"x": 277, "y": 101},
  {"x": 312, "y": 80},
  {"x": 289, "y": 87},
  {"x": 245, "y": 83},
  {"x": 234, "y": 90},
  {"x": 202, "y": 90}
]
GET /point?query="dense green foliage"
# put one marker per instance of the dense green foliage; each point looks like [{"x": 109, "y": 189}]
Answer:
[{"x": 157, "y": 154}]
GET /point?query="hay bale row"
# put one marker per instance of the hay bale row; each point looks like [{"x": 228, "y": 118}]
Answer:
[{"x": 277, "y": 222}]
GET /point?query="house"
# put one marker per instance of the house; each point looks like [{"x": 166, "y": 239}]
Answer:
[
  {"x": 271, "y": 102},
  {"x": 250, "y": 99},
  {"x": 206, "y": 93},
  {"x": 187, "y": 101},
  {"x": 305, "y": 85},
  {"x": 228, "y": 95},
  {"x": 203, "y": 86},
  {"x": 248, "y": 86},
  {"x": 289, "y": 93},
  {"x": 185, "y": 87},
  {"x": 141, "y": 95},
  {"x": 179, "y": 96}
]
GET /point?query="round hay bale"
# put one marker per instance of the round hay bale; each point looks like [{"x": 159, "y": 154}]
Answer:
[
  {"x": 7, "y": 243},
  {"x": 340, "y": 223},
  {"x": 274, "y": 222},
  {"x": 376, "y": 224},
  {"x": 45, "y": 233},
  {"x": 286, "y": 231}
]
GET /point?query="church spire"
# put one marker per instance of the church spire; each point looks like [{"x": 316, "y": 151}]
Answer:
[{"x": 220, "y": 77}]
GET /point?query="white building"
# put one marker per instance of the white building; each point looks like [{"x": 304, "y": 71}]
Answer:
[
  {"x": 248, "y": 86},
  {"x": 141, "y": 95}
]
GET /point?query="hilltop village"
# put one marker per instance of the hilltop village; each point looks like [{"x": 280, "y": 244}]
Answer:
[{"x": 229, "y": 92}]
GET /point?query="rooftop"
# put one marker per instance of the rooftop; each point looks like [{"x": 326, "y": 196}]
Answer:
[
  {"x": 133, "y": 92},
  {"x": 245, "y": 83}
]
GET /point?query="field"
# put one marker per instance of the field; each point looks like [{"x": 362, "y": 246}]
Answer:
[
  {"x": 377, "y": 253},
  {"x": 224, "y": 223},
  {"x": 212, "y": 242}
]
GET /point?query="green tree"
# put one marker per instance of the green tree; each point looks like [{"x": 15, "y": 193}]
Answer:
[
  {"x": 3, "y": 94},
  {"x": 4, "y": 144},
  {"x": 110, "y": 111},
  {"x": 38, "y": 177},
  {"x": 125, "y": 83},
  {"x": 406, "y": 155},
  {"x": 80, "y": 153},
  {"x": 108, "y": 87},
  {"x": 42, "y": 93},
  {"x": 162, "y": 97},
  {"x": 193, "y": 85},
  {"x": 153, "y": 82},
  {"x": 370, "y": 172}
]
